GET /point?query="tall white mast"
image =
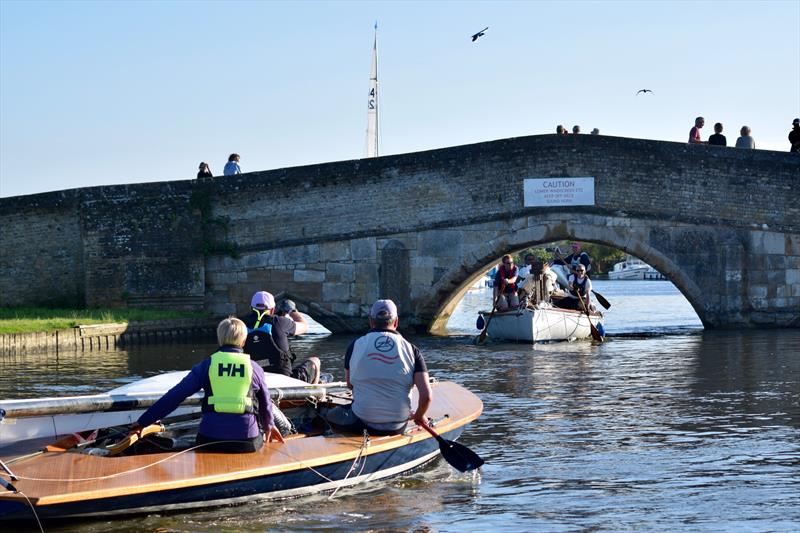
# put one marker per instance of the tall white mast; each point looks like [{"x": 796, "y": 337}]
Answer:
[{"x": 372, "y": 101}]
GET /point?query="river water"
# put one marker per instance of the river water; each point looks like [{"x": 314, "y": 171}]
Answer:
[{"x": 663, "y": 427}]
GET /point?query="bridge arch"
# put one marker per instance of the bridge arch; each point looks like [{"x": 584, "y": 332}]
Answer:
[{"x": 629, "y": 235}]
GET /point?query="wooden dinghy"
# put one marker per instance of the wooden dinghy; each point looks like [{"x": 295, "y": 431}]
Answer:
[
  {"x": 541, "y": 323},
  {"x": 79, "y": 484},
  {"x": 49, "y": 418}
]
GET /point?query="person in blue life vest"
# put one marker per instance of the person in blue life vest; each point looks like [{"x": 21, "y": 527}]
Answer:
[
  {"x": 268, "y": 332},
  {"x": 579, "y": 283},
  {"x": 382, "y": 367},
  {"x": 237, "y": 409}
]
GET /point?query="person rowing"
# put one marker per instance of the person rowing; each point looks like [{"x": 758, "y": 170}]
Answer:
[
  {"x": 505, "y": 285},
  {"x": 578, "y": 257},
  {"x": 579, "y": 283}
]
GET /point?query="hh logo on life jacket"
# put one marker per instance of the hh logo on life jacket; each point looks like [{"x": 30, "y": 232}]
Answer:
[{"x": 230, "y": 370}]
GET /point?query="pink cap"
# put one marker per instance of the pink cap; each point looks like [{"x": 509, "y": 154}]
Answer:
[{"x": 262, "y": 300}]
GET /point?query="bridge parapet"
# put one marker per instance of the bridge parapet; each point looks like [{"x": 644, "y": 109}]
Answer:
[{"x": 721, "y": 223}]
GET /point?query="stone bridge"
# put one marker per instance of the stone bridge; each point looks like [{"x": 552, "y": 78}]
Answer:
[{"x": 722, "y": 224}]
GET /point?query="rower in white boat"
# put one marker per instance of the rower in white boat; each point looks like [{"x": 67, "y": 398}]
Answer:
[{"x": 541, "y": 315}]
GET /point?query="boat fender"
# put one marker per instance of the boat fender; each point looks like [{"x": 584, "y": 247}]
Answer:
[
  {"x": 600, "y": 329},
  {"x": 480, "y": 323}
]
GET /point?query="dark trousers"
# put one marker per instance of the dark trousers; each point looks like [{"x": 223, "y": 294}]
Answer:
[
  {"x": 344, "y": 419},
  {"x": 568, "y": 303},
  {"x": 230, "y": 446}
]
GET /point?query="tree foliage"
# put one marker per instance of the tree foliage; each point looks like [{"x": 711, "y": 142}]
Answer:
[{"x": 603, "y": 257}]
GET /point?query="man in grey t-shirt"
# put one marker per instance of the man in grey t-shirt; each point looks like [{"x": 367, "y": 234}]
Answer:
[{"x": 382, "y": 367}]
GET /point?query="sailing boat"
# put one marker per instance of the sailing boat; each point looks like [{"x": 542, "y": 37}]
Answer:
[{"x": 372, "y": 102}]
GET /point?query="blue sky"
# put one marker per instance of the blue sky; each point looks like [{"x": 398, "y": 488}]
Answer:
[{"x": 97, "y": 93}]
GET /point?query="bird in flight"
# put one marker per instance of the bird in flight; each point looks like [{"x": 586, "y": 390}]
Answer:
[
  {"x": 479, "y": 34},
  {"x": 643, "y": 91}
]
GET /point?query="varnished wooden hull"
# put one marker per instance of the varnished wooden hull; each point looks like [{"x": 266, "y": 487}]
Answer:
[{"x": 83, "y": 485}]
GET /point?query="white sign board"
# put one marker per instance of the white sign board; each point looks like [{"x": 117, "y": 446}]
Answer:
[{"x": 550, "y": 192}]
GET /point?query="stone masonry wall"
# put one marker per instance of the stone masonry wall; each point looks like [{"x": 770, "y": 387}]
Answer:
[
  {"x": 41, "y": 252},
  {"x": 721, "y": 223},
  {"x": 136, "y": 245}
]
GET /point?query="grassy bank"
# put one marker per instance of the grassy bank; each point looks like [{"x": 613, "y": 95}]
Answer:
[{"x": 36, "y": 319}]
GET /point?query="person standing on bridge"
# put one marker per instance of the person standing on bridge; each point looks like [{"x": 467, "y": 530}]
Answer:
[
  {"x": 268, "y": 338},
  {"x": 746, "y": 141},
  {"x": 694, "y": 133},
  {"x": 204, "y": 171},
  {"x": 718, "y": 139},
  {"x": 232, "y": 166},
  {"x": 794, "y": 136},
  {"x": 382, "y": 367}
]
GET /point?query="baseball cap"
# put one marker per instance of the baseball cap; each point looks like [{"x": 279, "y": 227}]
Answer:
[
  {"x": 796, "y": 121},
  {"x": 383, "y": 309},
  {"x": 262, "y": 300},
  {"x": 286, "y": 306}
]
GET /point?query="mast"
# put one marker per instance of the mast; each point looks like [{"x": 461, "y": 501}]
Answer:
[{"x": 372, "y": 101}]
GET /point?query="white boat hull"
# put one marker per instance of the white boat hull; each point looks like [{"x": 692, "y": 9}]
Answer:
[
  {"x": 628, "y": 273},
  {"x": 540, "y": 325}
]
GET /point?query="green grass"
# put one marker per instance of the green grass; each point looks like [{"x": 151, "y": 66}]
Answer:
[{"x": 40, "y": 319}]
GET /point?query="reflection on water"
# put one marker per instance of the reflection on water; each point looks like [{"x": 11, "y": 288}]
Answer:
[{"x": 693, "y": 431}]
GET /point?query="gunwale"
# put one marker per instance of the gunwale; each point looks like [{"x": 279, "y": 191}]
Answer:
[
  {"x": 169, "y": 471},
  {"x": 541, "y": 324}
]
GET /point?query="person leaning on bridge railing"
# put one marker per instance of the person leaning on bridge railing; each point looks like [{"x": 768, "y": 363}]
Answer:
[
  {"x": 794, "y": 136},
  {"x": 746, "y": 141},
  {"x": 694, "y": 133}
]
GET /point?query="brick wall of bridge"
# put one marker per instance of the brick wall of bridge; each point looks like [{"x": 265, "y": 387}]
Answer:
[{"x": 337, "y": 235}]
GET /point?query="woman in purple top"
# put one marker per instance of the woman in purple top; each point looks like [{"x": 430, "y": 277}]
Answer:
[{"x": 236, "y": 408}]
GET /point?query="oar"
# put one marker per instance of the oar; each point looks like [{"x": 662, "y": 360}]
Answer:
[
  {"x": 459, "y": 456},
  {"x": 482, "y": 336},
  {"x": 605, "y": 303},
  {"x": 595, "y": 334},
  {"x": 130, "y": 440}
]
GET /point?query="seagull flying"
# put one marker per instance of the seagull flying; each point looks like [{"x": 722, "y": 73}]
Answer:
[
  {"x": 643, "y": 91},
  {"x": 479, "y": 34}
]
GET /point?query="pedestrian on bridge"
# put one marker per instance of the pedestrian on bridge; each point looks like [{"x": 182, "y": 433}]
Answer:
[
  {"x": 794, "y": 136},
  {"x": 694, "y": 133},
  {"x": 746, "y": 141},
  {"x": 232, "y": 166}
]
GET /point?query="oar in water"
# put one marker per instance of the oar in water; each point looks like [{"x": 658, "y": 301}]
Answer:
[
  {"x": 595, "y": 334},
  {"x": 482, "y": 335},
  {"x": 459, "y": 456}
]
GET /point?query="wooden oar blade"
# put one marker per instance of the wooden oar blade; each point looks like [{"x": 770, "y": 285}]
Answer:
[{"x": 459, "y": 456}]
